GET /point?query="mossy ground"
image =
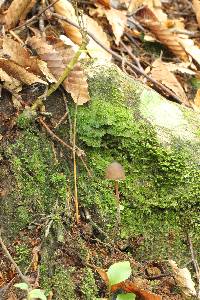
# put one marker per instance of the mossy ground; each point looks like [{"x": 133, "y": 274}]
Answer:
[{"x": 160, "y": 196}]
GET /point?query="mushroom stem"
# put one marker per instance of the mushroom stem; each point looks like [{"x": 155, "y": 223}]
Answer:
[{"x": 118, "y": 221}]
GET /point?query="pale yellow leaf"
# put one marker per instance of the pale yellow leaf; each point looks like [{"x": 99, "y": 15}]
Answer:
[
  {"x": 183, "y": 279},
  {"x": 191, "y": 48},
  {"x": 196, "y": 8},
  {"x": 197, "y": 98},
  {"x": 95, "y": 50},
  {"x": 117, "y": 20}
]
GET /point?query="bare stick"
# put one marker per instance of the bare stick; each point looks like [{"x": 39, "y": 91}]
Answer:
[
  {"x": 34, "y": 18},
  {"x": 75, "y": 168},
  {"x": 195, "y": 264},
  {"x": 7, "y": 253}
]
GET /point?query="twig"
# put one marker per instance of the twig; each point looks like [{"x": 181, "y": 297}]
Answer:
[
  {"x": 195, "y": 264},
  {"x": 118, "y": 57},
  {"x": 132, "y": 56},
  {"x": 7, "y": 253},
  {"x": 75, "y": 168},
  {"x": 34, "y": 18}
]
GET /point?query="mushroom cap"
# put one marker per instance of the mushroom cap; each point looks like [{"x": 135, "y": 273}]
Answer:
[{"x": 115, "y": 171}]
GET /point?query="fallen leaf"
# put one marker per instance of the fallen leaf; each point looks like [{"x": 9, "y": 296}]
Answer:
[
  {"x": 197, "y": 98},
  {"x": 131, "y": 287},
  {"x": 183, "y": 279},
  {"x": 196, "y": 8},
  {"x": 161, "y": 73},
  {"x": 57, "y": 56},
  {"x": 15, "y": 11},
  {"x": 66, "y": 9},
  {"x": 20, "y": 55},
  {"x": 19, "y": 73},
  {"x": 162, "y": 33},
  {"x": 117, "y": 20}
]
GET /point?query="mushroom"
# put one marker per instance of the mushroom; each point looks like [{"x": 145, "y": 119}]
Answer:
[{"x": 115, "y": 172}]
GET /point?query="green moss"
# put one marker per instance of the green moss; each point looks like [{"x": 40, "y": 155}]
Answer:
[
  {"x": 63, "y": 285},
  {"x": 22, "y": 255},
  {"x": 161, "y": 191},
  {"x": 88, "y": 286},
  {"x": 39, "y": 182}
]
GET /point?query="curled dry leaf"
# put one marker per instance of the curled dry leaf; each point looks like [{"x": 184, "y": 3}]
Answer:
[
  {"x": 15, "y": 11},
  {"x": 65, "y": 8},
  {"x": 57, "y": 57},
  {"x": 183, "y": 279},
  {"x": 20, "y": 55},
  {"x": 161, "y": 73},
  {"x": 117, "y": 20},
  {"x": 27, "y": 10},
  {"x": 130, "y": 287},
  {"x": 105, "y": 3},
  {"x": 9, "y": 82},
  {"x": 191, "y": 48},
  {"x": 154, "y": 5},
  {"x": 196, "y": 8},
  {"x": 95, "y": 50},
  {"x": 19, "y": 73},
  {"x": 148, "y": 18}
]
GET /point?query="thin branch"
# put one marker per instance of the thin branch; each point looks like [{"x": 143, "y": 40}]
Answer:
[
  {"x": 8, "y": 255},
  {"x": 75, "y": 168},
  {"x": 119, "y": 58},
  {"x": 195, "y": 264},
  {"x": 34, "y": 18}
]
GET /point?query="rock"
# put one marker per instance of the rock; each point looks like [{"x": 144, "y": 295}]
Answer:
[{"x": 156, "y": 141}]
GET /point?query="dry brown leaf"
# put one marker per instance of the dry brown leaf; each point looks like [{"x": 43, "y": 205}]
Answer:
[
  {"x": 57, "y": 57},
  {"x": 15, "y": 11},
  {"x": 19, "y": 73},
  {"x": 103, "y": 275},
  {"x": 183, "y": 279},
  {"x": 10, "y": 82},
  {"x": 196, "y": 8},
  {"x": 191, "y": 48},
  {"x": 65, "y": 8},
  {"x": 154, "y": 5},
  {"x": 131, "y": 287},
  {"x": 76, "y": 82},
  {"x": 161, "y": 73},
  {"x": 197, "y": 98},
  {"x": 148, "y": 18},
  {"x": 20, "y": 55},
  {"x": 105, "y": 3},
  {"x": 117, "y": 20},
  {"x": 93, "y": 48},
  {"x": 27, "y": 10}
]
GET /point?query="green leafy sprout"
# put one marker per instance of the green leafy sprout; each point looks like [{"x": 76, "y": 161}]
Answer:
[
  {"x": 31, "y": 294},
  {"x": 117, "y": 273}
]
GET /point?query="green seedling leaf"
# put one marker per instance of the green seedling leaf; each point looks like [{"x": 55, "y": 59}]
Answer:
[
  {"x": 119, "y": 272},
  {"x": 38, "y": 294},
  {"x": 22, "y": 286},
  {"x": 128, "y": 296}
]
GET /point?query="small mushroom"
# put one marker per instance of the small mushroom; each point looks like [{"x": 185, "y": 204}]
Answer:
[{"x": 115, "y": 172}]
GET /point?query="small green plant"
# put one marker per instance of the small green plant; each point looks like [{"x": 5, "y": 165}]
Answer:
[
  {"x": 128, "y": 296},
  {"x": 117, "y": 273},
  {"x": 31, "y": 293}
]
